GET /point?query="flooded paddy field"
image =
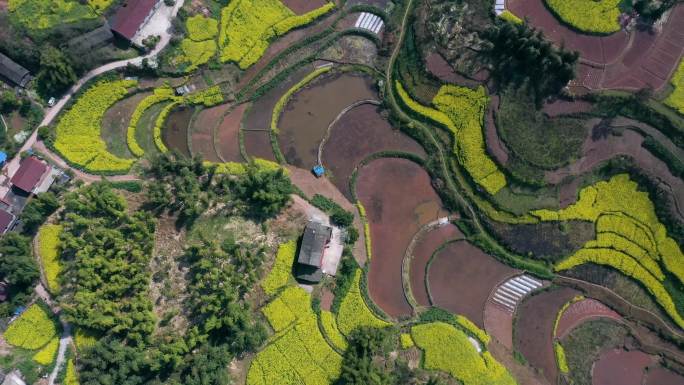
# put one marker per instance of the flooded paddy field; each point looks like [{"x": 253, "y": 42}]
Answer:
[{"x": 309, "y": 112}]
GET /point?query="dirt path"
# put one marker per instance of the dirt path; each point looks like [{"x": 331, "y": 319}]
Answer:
[{"x": 43, "y": 150}]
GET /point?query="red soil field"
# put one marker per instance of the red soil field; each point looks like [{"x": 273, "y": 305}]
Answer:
[
  {"x": 595, "y": 152},
  {"x": 399, "y": 200},
  {"x": 227, "y": 134},
  {"x": 202, "y": 136},
  {"x": 310, "y": 111},
  {"x": 258, "y": 144},
  {"x": 301, "y": 7},
  {"x": 582, "y": 311},
  {"x": 358, "y": 134},
  {"x": 618, "y": 61},
  {"x": 620, "y": 367},
  {"x": 599, "y": 49},
  {"x": 662, "y": 376},
  {"x": 438, "y": 66},
  {"x": 498, "y": 323},
  {"x": 564, "y": 107},
  {"x": 422, "y": 252},
  {"x": 462, "y": 276},
  {"x": 533, "y": 335}
]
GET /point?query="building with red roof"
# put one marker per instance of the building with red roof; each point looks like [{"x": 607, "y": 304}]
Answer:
[
  {"x": 6, "y": 221},
  {"x": 31, "y": 172},
  {"x": 132, "y": 16}
]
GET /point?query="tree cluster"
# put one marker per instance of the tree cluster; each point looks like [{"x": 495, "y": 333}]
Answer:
[
  {"x": 188, "y": 187},
  {"x": 220, "y": 278},
  {"x": 18, "y": 269},
  {"x": 367, "y": 361},
  {"x": 37, "y": 210},
  {"x": 106, "y": 252},
  {"x": 520, "y": 56}
]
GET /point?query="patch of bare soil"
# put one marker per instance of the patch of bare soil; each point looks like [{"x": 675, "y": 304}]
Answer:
[
  {"x": 167, "y": 289},
  {"x": 301, "y": 7}
]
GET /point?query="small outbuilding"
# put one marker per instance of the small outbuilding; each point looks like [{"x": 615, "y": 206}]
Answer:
[
  {"x": 13, "y": 72},
  {"x": 30, "y": 174},
  {"x": 312, "y": 252}
]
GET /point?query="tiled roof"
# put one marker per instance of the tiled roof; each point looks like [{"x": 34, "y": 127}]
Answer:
[
  {"x": 131, "y": 16},
  {"x": 30, "y": 173}
]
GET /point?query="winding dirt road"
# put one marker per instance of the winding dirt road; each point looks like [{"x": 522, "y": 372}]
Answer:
[{"x": 12, "y": 166}]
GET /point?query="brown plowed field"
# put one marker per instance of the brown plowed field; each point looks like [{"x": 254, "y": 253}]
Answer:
[
  {"x": 614, "y": 62},
  {"x": 439, "y": 67},
  {"x": 662, "y": 376},
  {"x": 498, "y": 322},
  {"x": 564, "y": 107},
  {"x": 599, "y": 49},
  {"x": 582, "y": 311},
  {"x": 620, "y": 367},
  {"x": 533, "y": 335},
  {"x": 358, "y": 134},
  {"x": 203, "y": 132},
  {"x": 301, "y": 7},
  {"x": 227, "y": 134},
  {"x": 310, "y": 111},
  {"x": 258, "y": 144},
  {"x": 422, "y": 251},
  {"x": 462, "y": 276},
  {"x": 399, "y": 199},
  {"x": 651, "y": 59}
]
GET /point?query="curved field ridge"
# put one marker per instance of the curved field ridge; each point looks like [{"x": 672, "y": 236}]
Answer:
[
  {"x": 448, "y": 349},
  {"x": 593, "y": 16},
  {"x": 298, "y": 354},
  {"x": 78, "y": 137},
  {"x": 160, "y": 95},
  {"x": 462, "y": 111},
  {"x": 398, "y": 199},
  {"x": 581, "y": 311},
  {"x": 248, "y": 26},
  {"x": 356, "y": 135},
  {"x": 534, "y": 323},
  {"x": 629, "y": 237}
]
